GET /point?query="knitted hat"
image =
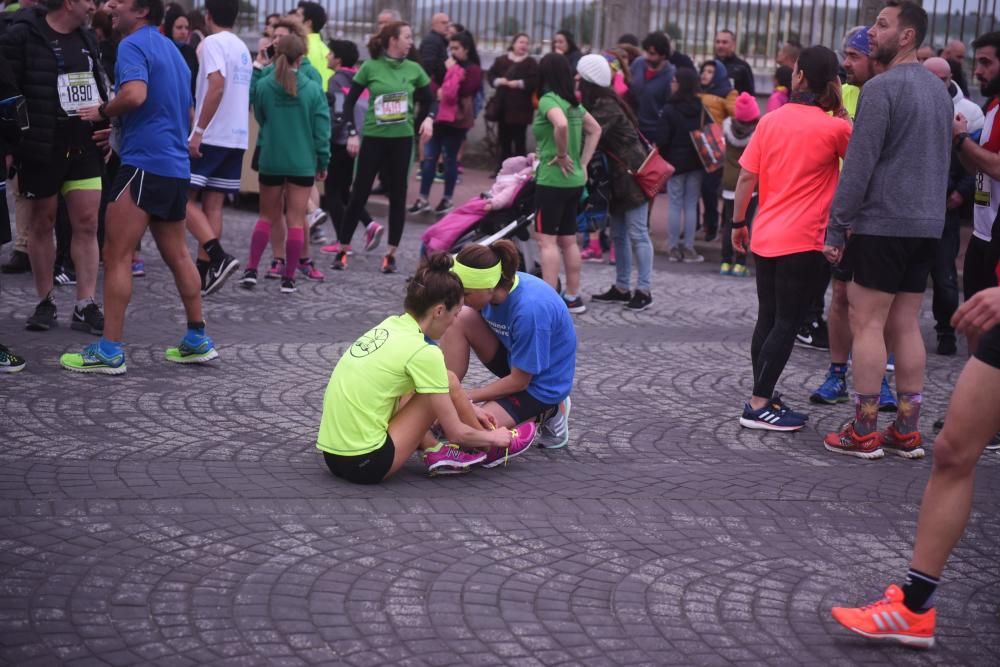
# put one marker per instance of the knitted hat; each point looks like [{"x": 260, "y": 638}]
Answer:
[
  {"x": 595, "y": 69},
  {"x": 747, "y": 110}
]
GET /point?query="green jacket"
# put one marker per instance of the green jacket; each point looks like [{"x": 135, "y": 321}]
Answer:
[
  {"x": 295, "y": 131},
  {"x": 260, "y": 73}
]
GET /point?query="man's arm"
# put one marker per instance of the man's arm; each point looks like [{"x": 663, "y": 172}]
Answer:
[
  {"x": 213, "y": 98},
  {"x": 976, "y": 158},
  {"x": 131, "y": 95}
]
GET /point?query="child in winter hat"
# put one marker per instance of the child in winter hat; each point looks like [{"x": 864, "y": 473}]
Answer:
[{"x": 737, "y": 131}]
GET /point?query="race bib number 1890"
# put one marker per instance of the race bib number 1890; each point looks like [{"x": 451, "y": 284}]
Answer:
[
  {"x": 78, "y": 90},
  {"x": 983, "y": 194},
  {"x": 391, "y": 108}
]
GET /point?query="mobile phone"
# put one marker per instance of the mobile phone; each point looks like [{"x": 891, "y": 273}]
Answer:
[{"x": 269, "y": 52}]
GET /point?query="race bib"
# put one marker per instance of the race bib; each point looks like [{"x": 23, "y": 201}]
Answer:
[
  {"x": 78, "y": 90},
  {"x": 391, "y": 108},
  {"x": 983, "y": 194}
]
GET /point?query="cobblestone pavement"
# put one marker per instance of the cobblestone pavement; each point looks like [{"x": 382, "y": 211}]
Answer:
[{"x": 179, "y": 515}]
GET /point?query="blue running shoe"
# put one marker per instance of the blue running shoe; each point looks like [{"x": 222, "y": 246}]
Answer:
[
  {"x": 109, "y": 360},
  {"x": 196, "y": 348},
  {"x": 832, "y": 391},
  {"x": 886, "y": 399},
  {"x": 771, "y": 417},
  {"x": 780, "y": 404},
  {"x": 890, "y": 363}
]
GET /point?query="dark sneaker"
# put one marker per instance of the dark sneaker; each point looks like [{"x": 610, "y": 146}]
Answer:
[
  {"x": 18, "y": 263},
  {"x": 813, "y": 335},
  {"x": 218, "y": 273},
  {"x": 771, "y": 417},
  {"x": 44, "y": 317},
  {"x": 575, "y": 306},
  {"x": 947, "y": 345},
  {"x": 847, "y": 441},
  {"x": 778, "y": 403},
  {"x": 340, "y": 261},
  {"x": 10, "y": 362},
  {"x": 993, "y": 445},
  {"x": 419, "y": 206},
  {"x": 288, "y": 286},
  {"x": 832, "y": 391},
  {"x": 90, "y": 319},
  {"x": 444, "y": 206},
  {"x": 63, "y": 277},
  {"x": 613, "y": 295},
  {"x": 640, "y": 301},
  {"x": 249, "y": 279},
  {"x": 388, "y": 264}
]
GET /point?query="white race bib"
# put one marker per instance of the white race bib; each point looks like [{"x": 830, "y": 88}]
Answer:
[
  {"x": 391, "y": 108},
  {"x": 78, "y": 90}
]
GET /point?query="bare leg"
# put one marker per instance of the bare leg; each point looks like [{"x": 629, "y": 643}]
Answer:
[
  {"x": 571, "y": 258},
  {"x": 839, "y": 324},
  {"x": 83, "y": 206},
  {"x": 198, "y": 224},
  {"x": 41, "y": 244},
  {"x": 468, "y": 333},
  {"x": 902, "y": 334},
  {"x": 408, "y": 427},
  {"x": 211, "y": 204},
  {"x": 125, "y": 224},
  {"x": 172, "y": 244},
  {"x": 869, "y": 310},
  {"x": 548, "y": 256}
]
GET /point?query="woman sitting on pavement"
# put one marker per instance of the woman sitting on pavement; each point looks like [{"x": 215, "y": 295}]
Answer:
[
  {"x": 391, "y": 386},
  {"x": 521, "y": 330}
]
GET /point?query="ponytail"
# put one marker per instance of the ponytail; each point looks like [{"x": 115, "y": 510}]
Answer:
[
  {"x": 290, "y": 50},
  {"x": 484, "y": 257},
  {"x": 433, "y": 283},
  {"x": 378, "y": 45}
]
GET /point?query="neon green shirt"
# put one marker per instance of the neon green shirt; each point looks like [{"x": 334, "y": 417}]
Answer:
[
  {"x": 390, "y": 85},
  {"x": 551, "y": 175},
  {"x": 317, "y": 53},
  {"x": 386, "y": 363},
  {"x": 851, "y": 95}
]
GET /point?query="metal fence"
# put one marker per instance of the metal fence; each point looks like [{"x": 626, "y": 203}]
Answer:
[{"x": 761, "y": 25}]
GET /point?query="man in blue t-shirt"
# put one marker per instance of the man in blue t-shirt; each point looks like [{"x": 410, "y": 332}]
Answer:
[{"x": 150, "y": 123}]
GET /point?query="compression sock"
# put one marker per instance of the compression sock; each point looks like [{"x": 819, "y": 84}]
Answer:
[
  {"x": 258, "y": 242},
  {"x": 293, "y": 250}
]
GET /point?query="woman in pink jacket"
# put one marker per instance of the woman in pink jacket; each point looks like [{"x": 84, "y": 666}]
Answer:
[{"x": 462, "y": 81}]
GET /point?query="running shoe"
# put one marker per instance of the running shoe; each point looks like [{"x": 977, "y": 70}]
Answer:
[
  {"x": 288, "y": 286},
  {"x": 309, "y": 270},
  {"x": 340, "y": 261},
  {"x": 947, "y": 345},
  {"x": 218, "y": 273},
  {"x": 575, "y": 306},
  {"x": 675, "y": 255},
  {"x": 17, "y": 263},
  {"x": 448, "y": 459},
  {"x": 195, "y": 348},
  {"x": 388, "y": 264},
  {"x": 888, "y": 619},
  {"x": 890, "y": 363},
  {"x": 522, "y": 436},
  {"x": 725, "y": 269},
  {"x": 740, "y": 271},
  {"x": 444, "y": 206},
  {"x": 832, "y": 391},
  {"x": 373, "y": 236},
  {"x": 419, "y": 206},
  {"x": 848, "y": 442},
  {"x": 613, "y": 295},
  {"x": 249, "y": 279},
  {"x": 689, "y": 256},
  {"x": 331, "y": 249},
  {"x": 907, "y": 445},
  {"x": 592, "y": 253},
  {"x": 277, "y": 270},
  {"x": 44, "y": 317},
  {"x": 771, "y": 417},
  {"x": 63, "y": 277},
  {"x": 778, "y": 403},
  {"x": 640, "y": 301},
  {"x": 317, "y": 237},
  {"x": 10, "y": 362},
  {"x": 90, "y": 319},
  {"x": 813, "y": 335},
  {"x": 107, "y": 360},
  {"x": 138, "y": 267},
  {"x": 316, "y": 217},
  {"x": 554, "y": 431},
  {"x": 886, "y": 400}
]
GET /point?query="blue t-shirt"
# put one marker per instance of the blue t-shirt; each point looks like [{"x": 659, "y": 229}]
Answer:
[
  {"x": 154, "y": 136},
  {"x": 535, "y": 327}
]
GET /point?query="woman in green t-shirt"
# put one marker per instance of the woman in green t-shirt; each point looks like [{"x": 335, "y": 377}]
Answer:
[
  {"x": 566, "y": 137},
  {"x": 391, "y": 385},
  {"x": 394, "y": 83}
]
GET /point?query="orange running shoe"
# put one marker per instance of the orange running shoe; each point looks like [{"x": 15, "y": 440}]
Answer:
[
  {"x": 907, "y": 445},
  {"x": 889, "y": 619},
  {"x": 847, "y": 441}
]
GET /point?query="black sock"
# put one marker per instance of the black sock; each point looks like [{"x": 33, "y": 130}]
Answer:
[
  {"x": 196, "y": 326},
  {"x": 918, "y": 591},
  {"x": 202, "y": 265},
  {"x": 214, "y": 250}
]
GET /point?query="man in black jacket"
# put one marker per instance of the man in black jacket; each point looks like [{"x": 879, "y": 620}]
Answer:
[
  {"x": 739, "y": 70},
  {"x": 9, "y": 134},
  {"x": 56, "y": 65},
  {"x": 434, "y": 48}
]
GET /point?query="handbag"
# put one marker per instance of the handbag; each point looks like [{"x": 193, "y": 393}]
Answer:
[
  {"x": 492, "y": 111},
  {"x": 710, "y": 145},
  {"x": 652, "y": 174}
]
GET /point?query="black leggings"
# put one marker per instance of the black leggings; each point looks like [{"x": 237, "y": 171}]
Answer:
[
  {"x": 511, "y": 140},
  {"x": 338, "y": 187},
  {"x": 391, "y": 159},
  {"x": 785, "y": 287}
]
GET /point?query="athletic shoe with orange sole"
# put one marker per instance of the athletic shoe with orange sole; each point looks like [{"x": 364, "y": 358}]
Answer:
[
  {"x": 907, "y": 445},
  {"x": 888, "y": 619},
  {"x": 847, "y": 441}
]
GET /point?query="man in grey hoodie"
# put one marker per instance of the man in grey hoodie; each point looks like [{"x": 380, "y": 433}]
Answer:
[{"x": 891, "y": 201}]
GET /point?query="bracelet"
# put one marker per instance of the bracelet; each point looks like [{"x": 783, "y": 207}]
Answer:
[
  {"x": 959, "y": 140},
  {"x": 199, "y": 130},
  {"x": 739, "y": 225}
]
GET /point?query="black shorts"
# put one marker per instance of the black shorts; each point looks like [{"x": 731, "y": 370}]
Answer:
[
  {"x": 162, "y": 197},
  {"x": 980, "y": 269},
  {"x": 67, "y": 171},
  {"x": 370, "y": 468},
  {"x": 890, "y": 264},
  {"x": 521, "y": 406},
  {"x": 988, "y": 348},
  {"x": 272, "y": 181},
  {"x": 556, "y": 209}
]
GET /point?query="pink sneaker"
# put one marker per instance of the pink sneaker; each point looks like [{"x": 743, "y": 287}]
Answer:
[
  {"x": 373, "y": 235},
  {"x": 309, "y": 270},
  {"x": 592, "y": 253},
  {"x": 449, "y": 459},
  {"x": 277, "y": 270},
  {"x": 524, "y": 435},
  {"x": 331, "y": 249}
]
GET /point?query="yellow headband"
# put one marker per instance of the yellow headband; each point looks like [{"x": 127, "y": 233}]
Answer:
[{"x": 478, "y": 278}]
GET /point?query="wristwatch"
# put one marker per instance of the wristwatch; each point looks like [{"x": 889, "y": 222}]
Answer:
[
  {"x": 959, "y": 140},
  {"x": 102, "y": 111}
]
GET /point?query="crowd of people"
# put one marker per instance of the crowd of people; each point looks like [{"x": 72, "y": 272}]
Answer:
[{"x": 857, "y": 174}]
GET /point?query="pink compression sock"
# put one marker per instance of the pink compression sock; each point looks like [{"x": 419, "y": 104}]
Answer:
[
  {"x": 258, "y": 241},
  {"x": 293, "y": 250}
]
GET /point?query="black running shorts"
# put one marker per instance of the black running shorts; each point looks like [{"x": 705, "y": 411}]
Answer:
[
  {"x": 163, "y": 198},
  {"x": 556, "y": 209},
  {"x": 890, "y": 264},
  {"x": 370, "y": 468},
  {"x": 68, "y": 170},
  {"x": 988, "y": 350},
  {"x": 521, "y": 406},
  {"x": 273, "y": 181},
  {"x": 979, "y": 271}
]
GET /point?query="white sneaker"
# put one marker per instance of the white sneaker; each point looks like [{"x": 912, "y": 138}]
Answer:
[{"x": 316, "y": 217}]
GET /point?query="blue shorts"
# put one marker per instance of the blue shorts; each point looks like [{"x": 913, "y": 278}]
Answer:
[{"x": 218, "y": 169}]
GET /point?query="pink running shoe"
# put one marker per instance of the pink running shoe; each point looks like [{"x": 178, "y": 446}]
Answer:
[
  {"x": 448, "y": 459},
  {"x": 309, "y": 270},
  {"x": 277, "y": 270},
  {"x": 331, "y": 249},
  {"x": 592, "y": 253},
  {"x": 373, "y": 235},
  {"x": 524, "y": 435}
]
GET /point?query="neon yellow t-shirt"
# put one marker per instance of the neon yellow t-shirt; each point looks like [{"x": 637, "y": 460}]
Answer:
[
  {"x": 851, "y": 95},
  {"x": 385, "y": 364}
]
